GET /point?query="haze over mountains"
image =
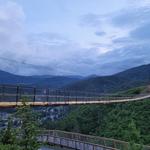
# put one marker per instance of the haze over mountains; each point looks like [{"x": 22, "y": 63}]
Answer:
[
  {"x": 42, "y": 81},
  {"x": 138, "y": 76}
]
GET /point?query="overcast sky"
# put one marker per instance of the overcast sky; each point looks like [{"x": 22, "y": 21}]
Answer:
[{"x": 73, "y": 37}]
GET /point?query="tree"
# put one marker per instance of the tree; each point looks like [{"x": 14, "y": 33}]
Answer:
[
  {"x": 8, "y": 135},
  {"x": 9, "y": 147},
  {"x": 28, "y": 127},
  {"x": 134, "y": 137}
]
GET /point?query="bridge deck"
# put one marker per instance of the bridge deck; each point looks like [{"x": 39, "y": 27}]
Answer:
[
  {"x": 11, "y": 96},
  {"x": 73, "y": 102}
]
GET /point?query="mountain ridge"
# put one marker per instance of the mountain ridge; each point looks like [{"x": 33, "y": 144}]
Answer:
[
  {"x": 134, "y": 77},
  {"x": 41, "y": 81}
]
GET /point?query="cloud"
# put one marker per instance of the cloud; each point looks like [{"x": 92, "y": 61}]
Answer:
[
  {"x": 137, "y": 22},
  {"x": 139, "y": 3},
  {"x": 12, "y": 41},
  {"x": 15, "y": 51},
  {"x": 124, "y": 58},
  {"x": 121, "y": 42},
  {"x": 91, "y": 20},
  {"x": 62, "y": 55},
  {"x": 100, "y": 33},
  {"x": 142, "y": 32},
  {"x": 132, "y": 17},
  {"x": 39, "y": 53},
  {"x": 132, "y": 48}
]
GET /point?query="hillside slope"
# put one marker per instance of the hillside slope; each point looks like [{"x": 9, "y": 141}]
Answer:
[
  {"x": 134, "y": 77},
  {"x": 112, "y": 121},
  {"x": 42, "y": 81}
]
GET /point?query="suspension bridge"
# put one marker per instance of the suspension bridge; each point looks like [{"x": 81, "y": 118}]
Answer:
[{"x": 12, "y": 95}]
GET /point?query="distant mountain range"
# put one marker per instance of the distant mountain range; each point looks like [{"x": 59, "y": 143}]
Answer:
[
  {"x": 40, "y": 81},
  {"x": 138, "y": 76}
]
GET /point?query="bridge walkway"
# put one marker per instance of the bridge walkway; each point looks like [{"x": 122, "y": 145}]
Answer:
[
  {"x": 12, "y": 95},
  {"x": 82, "y": 142}
]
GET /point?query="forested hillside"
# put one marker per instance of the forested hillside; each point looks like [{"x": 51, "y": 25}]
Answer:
[
  {"x": 131, "y": 78},
  {"x": 113, "y": 120}
]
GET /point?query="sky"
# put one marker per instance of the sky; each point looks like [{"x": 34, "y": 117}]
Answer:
[{"x": 73, "y": 37}]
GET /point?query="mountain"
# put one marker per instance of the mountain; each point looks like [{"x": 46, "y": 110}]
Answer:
[
  {"x": 138, "y": 76},
  {"x": 41, "y": 81}
]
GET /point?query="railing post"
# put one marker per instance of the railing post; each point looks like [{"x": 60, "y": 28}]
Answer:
[
  {"x": 3, "y": 92},
  {"x": 34, "y": 93},
  {"x": 20, "y": 90},
  {"x": 68, "y": 97},
  {"x": 75, "y": 144},
  {"x": 17, "y": 94},
  {"x": 47, "y": 94},
  {"x": 1, "y": 98},
  {"x": 58, "y": 95},
  {"x": 55, "y": 95},
  {"x": 114, "y": 144},
  {"x": 104, "y": 143},
  {"x": 76, "y": 96}
]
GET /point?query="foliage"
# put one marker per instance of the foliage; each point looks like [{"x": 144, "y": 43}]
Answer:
[
  {"x": 133, "y": 135},
  {"x": 118, "y": 121},
  {"x": 137, "y": 90},
  {"x": 9, "y": 147},
  {"x": 8, "y": 136},
  {"x": 25, "y": 136},
  {"x": 28, "y": 128}
]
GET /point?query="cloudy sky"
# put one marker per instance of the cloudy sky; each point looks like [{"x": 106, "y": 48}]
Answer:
[{"x": 73, "y": 37}]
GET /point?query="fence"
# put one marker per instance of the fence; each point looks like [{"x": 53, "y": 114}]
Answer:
[
  {"x": 13, "y": 93},
  {"x": 96, "y": 143}
]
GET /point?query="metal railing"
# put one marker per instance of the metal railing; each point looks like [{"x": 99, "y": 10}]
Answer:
[
  {"x": 12, "y": 95},
  {"x": 108, "y": 143}
]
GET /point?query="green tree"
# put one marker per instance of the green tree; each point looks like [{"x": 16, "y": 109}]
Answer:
[
  {"x": 8, "y": 136},
  {"x": 28, "y": 127},
  {"x": 134, "y": 137},
  {"x": 9, "y": 147}
]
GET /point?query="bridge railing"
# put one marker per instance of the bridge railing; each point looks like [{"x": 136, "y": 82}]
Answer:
[
  {"x": 14, "y": 93},
  {"x": 90, "y": 139},
  {"x": 106, "y": 142}
]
